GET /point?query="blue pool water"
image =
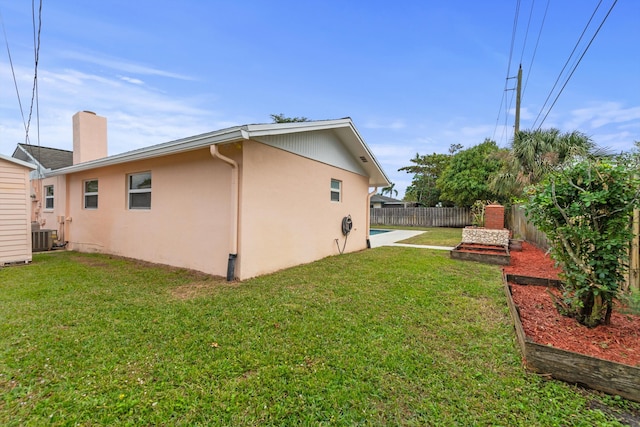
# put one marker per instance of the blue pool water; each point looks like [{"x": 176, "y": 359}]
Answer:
[{"x": 373, "y": 232}]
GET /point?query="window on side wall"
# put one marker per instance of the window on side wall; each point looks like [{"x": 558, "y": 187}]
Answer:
[
  {"x": 139, "y": 190},
  {"x": 48, "y": 196},
  {"x": 91, "y": 194},
  {"x": 336, "y": 190}
]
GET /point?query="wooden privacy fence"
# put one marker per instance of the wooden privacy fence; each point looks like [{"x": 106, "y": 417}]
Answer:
[
  {"x": 523, "y": 229},
  {"x": 422, "y": 217}
]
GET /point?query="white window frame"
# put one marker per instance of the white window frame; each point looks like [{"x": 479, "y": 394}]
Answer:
[
  {"x": 49, "y": 197},
  {"x": 90, "y": 194},
  {"x": 336, "y": 192},
  {"x": 132, "y": 191}
]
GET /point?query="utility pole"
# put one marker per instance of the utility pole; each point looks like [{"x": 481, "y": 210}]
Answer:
[{"x": 518, "y": 94}]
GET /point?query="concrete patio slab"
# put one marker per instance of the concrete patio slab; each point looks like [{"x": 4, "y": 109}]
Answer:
[{"x": 391, "y": 237}]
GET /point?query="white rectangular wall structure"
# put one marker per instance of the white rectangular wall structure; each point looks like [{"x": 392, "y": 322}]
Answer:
[{"x": 15, "y": 211}]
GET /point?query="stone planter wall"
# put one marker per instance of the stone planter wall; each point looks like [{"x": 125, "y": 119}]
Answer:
[{"x": 485, "y": 236}]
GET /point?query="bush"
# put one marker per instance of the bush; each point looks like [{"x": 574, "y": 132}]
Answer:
[{"x": 585, "y": 209}]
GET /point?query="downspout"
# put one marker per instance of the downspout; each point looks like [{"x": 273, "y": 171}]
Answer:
[
  {"x": 375, "y": 190},
  {"x": 233, "y": 250}
]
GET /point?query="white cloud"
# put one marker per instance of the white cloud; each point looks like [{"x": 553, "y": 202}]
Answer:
[
  {"x": 525, "y": 113},
  {"x": 120, "y": 65},
  {"x": 137, "y": 116},
  {"x": 602, "y": 114},
  {"x": 468, "y": 136},
  {"x": 132, "y": 80},
  {"x": 394, "y": 124}
]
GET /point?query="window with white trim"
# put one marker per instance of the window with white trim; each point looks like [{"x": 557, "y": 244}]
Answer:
[
  {"x": 48, "y": 196},
  {"x": 91, "y": 194},
  {"x": 139, "y": 190},
  {"x": 336, "y": 190}
]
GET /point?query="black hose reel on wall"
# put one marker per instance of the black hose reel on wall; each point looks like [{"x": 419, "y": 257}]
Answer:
[{"x": 347, "y": 225}]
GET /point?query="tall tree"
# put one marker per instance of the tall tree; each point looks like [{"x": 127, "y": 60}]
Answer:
[
  {"x": 426, "y": 170},
  {"x": 466, "y": 177},
  {"x": 281, "y": 118},
  {"x": 533, "y": 153}
]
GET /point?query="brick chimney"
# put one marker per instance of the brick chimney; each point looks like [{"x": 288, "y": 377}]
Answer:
[
  {"x": 494, "y": 217},
  {"x": 89, "y": 137}
]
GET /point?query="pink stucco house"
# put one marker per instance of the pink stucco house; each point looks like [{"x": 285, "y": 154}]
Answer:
[{"x": 237, "y": 202}]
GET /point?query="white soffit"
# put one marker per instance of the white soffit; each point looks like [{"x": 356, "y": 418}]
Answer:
[{"x": 323, "y": 146}]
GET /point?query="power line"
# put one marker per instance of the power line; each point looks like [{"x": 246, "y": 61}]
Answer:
[
  {"x": 535, "y": 49},
  {"x": 566, "y": 63},
  {"x": 526, "y": 33},
  {"x": 579, "y": 60},
  {"x": 513, "y": 39},
  {"x": 36, "y": 51},
  {"x": 13, "y": 73}
]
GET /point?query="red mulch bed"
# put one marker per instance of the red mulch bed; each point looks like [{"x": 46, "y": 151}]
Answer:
[{"x": 618, "y": 342}]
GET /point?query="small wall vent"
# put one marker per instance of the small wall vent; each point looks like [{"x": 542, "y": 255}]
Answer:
[{"x": 364, "y": 159}]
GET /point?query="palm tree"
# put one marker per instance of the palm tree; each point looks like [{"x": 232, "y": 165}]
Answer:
[
  {"x": 390, "y": 190},
  {"x": 535, "y": 152}
]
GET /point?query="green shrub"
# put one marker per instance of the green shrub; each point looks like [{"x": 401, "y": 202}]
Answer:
[{"x": 585, "y": 209}]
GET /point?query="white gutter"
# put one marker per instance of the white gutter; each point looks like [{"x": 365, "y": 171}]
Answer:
[
  {"x": 369, "y": 196},
  {"x": 167, "y": 148},
  {"x": 233, "y": 250}
]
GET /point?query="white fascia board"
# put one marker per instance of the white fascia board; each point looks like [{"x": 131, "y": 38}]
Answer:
[
  {"x": 29, "y": 155},
  {"x": 18, "y": 161},
  {"x": 377, "y": 177},
  {"x": 294, "y": 127},
  {"x": 352, "y": 139},
  {"x": 178, "y": 146}
]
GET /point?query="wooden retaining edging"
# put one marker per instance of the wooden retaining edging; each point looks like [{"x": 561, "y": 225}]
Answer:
[
  {"x": 487, "y": 254},
  {"x": 598, "y": 374}
]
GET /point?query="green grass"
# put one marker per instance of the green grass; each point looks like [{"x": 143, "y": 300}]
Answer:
[
  {"x": 435, "y": 236},
  {"x": 388, "y": 336}
]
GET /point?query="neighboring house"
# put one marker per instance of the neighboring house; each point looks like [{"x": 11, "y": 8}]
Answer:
[
  {"x": 238, "y": 202},
  {"x": 380, "y": 201},
  {"x": 44, "y": 160},
  {"x": 15, "y": 211}
]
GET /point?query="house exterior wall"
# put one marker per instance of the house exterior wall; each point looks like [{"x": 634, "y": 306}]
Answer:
[
  {"x": 49, "y": 218},
  {"x": 15, "y": 213},
  {"x": 187, "y": 225},
  {"x": 286, "y": 214}
]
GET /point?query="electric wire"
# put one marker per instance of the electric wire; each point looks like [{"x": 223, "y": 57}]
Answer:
[
  {"x": 504, "y": 93},
  {"x": 535, "y": 49},
  {"x": 565, "y": 66},
  {"x": 526, "y": 33},
  {"x": 578, "y": 62},
  {"x": 13, "y": 73},
  {"x": 36, "y": 49}
]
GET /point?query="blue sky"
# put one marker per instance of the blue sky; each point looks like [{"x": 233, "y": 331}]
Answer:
[{"x": 415, "y": 76}]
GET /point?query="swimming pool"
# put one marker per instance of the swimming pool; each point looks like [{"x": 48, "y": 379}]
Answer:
[{"x": 373, "y": 231}]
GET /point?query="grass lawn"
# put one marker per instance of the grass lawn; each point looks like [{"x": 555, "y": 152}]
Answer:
[
  {"x": 388, "y": 336},
  {"x": 436, "y": 236},
  {"x": 432, "y": 236}
]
